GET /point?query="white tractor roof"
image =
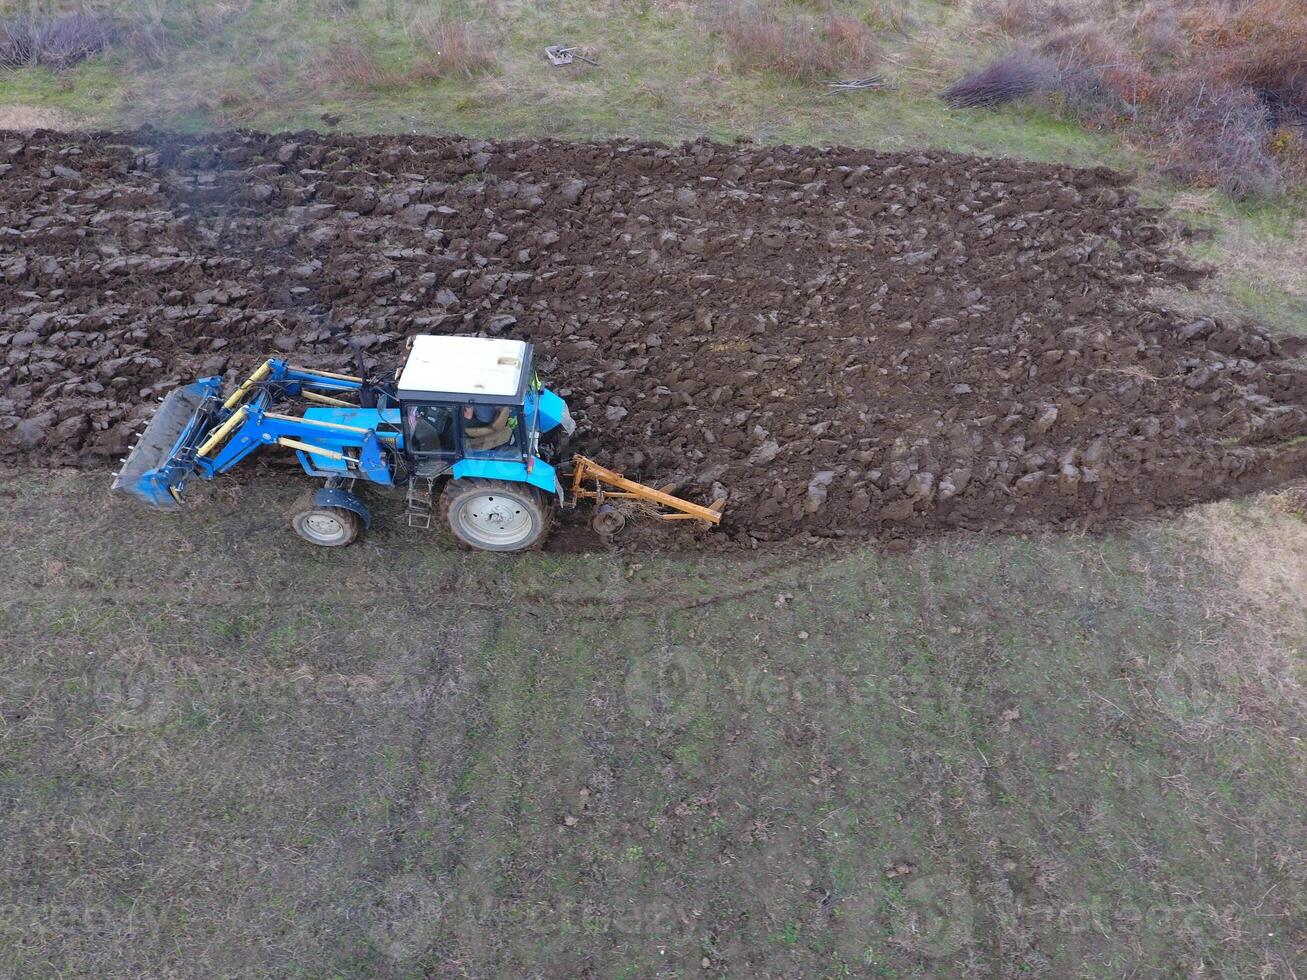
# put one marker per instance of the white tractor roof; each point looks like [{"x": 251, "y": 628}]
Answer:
[{"x": 477, "y": 367}]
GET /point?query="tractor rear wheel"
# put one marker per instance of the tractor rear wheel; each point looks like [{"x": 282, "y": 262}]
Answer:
[
  {"x": 330, "y": 527},
  {"x": 496, "y": 515}
]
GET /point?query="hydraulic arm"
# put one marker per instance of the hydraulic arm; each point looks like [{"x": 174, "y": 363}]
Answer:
[{"x": 196, "y": 432}]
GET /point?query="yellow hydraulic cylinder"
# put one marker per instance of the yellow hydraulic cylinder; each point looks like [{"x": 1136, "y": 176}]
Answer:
[
  {"x": 237, "y": 396},
  {"x": 221, "y": 432},
  {"x": 328, "y": 374},
  {"x": 314, "y": 423},
  {"x": 313, "y": 396},
  {"x": 314, "y": 450}
]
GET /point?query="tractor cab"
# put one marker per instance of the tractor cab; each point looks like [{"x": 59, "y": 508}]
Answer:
[{"x": 466, "y": 398}]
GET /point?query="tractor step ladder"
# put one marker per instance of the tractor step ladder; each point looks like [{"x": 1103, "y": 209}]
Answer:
[{"x": 418, "y": 506}]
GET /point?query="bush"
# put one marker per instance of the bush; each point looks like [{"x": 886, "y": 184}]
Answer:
[
  {"x": 1159, "y": 35},
  {"x": 1081, "y": 69},
  {"x": 158, "y": 33},
  {"x": 56, "y": 42},
  {"x": 1014, "y": 76},
  {"x": 802, "y": 48},
  {"x": 1025, "y": 17},
  {"x": 1289, "y": 145},
  {"x": 1219, "y": 89},
  {"x": 1083, "y": 46},
  {"x": 1264, "y": 47},
  {"x": 1096, "y": 79},
  {"x": 151, "y": 42},
  {"x": 452, "y": 48},
  {"x": 1215, "y": 136},
  {"x": 355, "y": 67}
]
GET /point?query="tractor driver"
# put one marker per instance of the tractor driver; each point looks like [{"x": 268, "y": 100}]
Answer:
[{"x": 487, "y": 427}]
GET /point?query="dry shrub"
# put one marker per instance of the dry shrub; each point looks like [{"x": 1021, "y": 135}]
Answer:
[
  {"x": 452, "y": 48},
  {"x": 1260, "y": 51},
  {"x": 801, "y": 48},
  {"x": 351, "y": 66},
  {"x": 1132, "y": 84},
  {"x": 54, "y": 41},
  {"x": 1262, "y": 46},
  {"x": 1215, "y": 136},
  {"x": 158, "y": 33},
  {"x": 1158, "y": 34},
  {"x": 1291, "y": 501},
  {"x": 1025, "y": 17},
  {"x": 1289, "y": 147},
  {"x": 849, "y": 38},
  {"x": 1014, "y": 76},
  {"x": 1096, "y": 78},
  {"x": 1084, "y": 45},
  {"x": 1263, "y": 49},
  {"x": 151, "y": 43},
  {"x": 1218, "y": 88}
]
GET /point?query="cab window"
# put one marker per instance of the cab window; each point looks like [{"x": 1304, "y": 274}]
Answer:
[
  {"x": 430, "y": 429},
  {"x": 490, "y": 430}
]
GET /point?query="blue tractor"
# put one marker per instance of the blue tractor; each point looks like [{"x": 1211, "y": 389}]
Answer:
[{"x": 466, "y": 412}]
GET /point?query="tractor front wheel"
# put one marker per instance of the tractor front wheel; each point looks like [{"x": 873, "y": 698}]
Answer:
[
  {"x": 496, "y": 515},
  {"x": 330, "y": 527}
]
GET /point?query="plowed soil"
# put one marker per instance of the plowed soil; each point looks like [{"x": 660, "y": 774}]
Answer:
[{"x": 847, "y": 342}]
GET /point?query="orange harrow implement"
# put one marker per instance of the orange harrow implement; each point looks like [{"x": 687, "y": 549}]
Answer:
[{"x": 603, "y": 485}]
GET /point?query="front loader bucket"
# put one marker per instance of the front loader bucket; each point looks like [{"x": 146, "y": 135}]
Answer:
[{"x": 157, "y": 468}]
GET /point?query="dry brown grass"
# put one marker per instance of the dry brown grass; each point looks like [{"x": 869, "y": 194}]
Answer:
[
  {"x": 444, "y": 49},
  {"x": 270, "y": 73},
  {"x": 1026, "y": 17},
  {"x": 1284, "y": 262},
  {"x": 452, "y": 48},
  {"x": 803, "y": 48},
  {"x": 157, "y": 34},
  {"x": 352, "y": 66},
  {"x": 1291, "y": 501},
  {"x": 29, "y": 117},
  {"x": 1259, "y": 553}
]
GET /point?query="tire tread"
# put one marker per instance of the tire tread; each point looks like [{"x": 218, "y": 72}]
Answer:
[
  {"x": 305, "y": 505},
  {"x": 457, "y": 488}
]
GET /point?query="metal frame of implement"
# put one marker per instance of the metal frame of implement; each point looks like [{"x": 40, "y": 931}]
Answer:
[{"x": 586, "y": 469}]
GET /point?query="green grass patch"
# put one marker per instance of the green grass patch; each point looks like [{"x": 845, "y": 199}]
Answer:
[{"x": 859, "y": 764}]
